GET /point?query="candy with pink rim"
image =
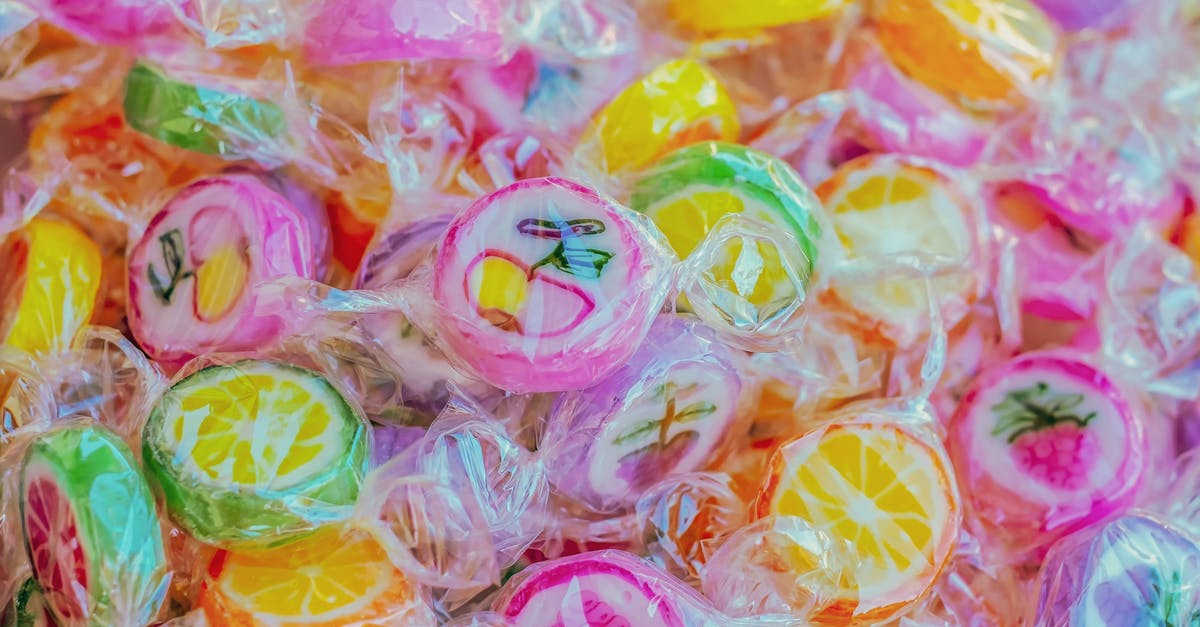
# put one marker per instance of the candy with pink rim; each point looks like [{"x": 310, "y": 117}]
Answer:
[
  {"x": 113, "y": 22},
  {"x": 909, "y": 118},
  {"x": 668, "y": 411},
  {"x": 1046, "y": 444},
  {"x": 1134, "y": 570},
  {"x": 344, "y": 32},
  {"x": 611, "y": 588},
  {"x": 257, "y": 234},
  {"x": 544, "y": 286}
]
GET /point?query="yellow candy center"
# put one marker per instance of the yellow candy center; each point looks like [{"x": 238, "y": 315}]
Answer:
[
  {"x": 220, "y": 280},
  {"x": 500, "y": 288}
]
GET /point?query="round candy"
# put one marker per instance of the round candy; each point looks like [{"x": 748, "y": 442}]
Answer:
[
  {"x": 1132, "y": 571},
  {"x": 1047, "y": 444},
  {"x": 668, "y": 410},
  {"x": 687, "y": 192},
  {"x": 545, "y": 286},
  {"x": 883, "y": 490},
  {"x": 887, "y": 206},
  {"x": 48, "y": 285},
  {"x": 91, "y": 529},
  {"x": 254, "y": 450},
  {"x": 191, "y": 275},
  {"x": 678, "y": 103},
  {"x": 337, "y": 576},
  {"x": 344, "y": 32},
  {"x": 598, "y": 588},
  {"x": 715, "y": 15},
  {"x": 983, "y": 52},
  {"x": 201, "y": 119}
]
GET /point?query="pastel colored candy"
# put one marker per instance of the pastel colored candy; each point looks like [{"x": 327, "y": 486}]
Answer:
[
  {"x": 599, "y": 588},
  {"x": 1046, "y": 444},
  {"x": 114, "y": 22},
  {"x": 192, "y": 273},
  {"x": 668, "y": 410},
  {"x": 91, "y": 530},
  {"x": 1075, "y": 15},
  {"x": 545, "y": 286},
  {"x": 1134, "y": 570},
  {"x": 344, "y": 32},
  {"x": 49, "y": 285}
]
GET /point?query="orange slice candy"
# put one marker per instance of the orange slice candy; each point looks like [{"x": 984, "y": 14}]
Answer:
[
  {"x": 884, "y": 491},
  {"x": 338, "y": 577}
]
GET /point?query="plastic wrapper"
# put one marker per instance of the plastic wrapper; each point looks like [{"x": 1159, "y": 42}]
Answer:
[
  {"x": 1048, "y": 444},
  {"x": 121, "y": 22},
  {"x": 192, "y": 273},
  {"x": 670, "y": 409},
  {"x": 684, "y": 518},
  {"x": 559, "y": 283},
  {"x": 1073, "y": 15},
  {"x": 245, "y": 453},
  {"x": 91, "y": 529},
  {"x": 39, "y": 60},
  {"x": 1134, "y": 570}
]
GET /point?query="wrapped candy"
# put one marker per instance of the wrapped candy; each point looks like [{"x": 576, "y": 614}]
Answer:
[
  {"x": 91, "y": 529},
  {"x": 669, "y": 410},
  {"x": 1048, "y": 444},
  {"x": 246, "y": 452},
  {"x": 192, "y": 273},
  {"x": 559, "y": 283},
  {"x": 708, "y": 15}
]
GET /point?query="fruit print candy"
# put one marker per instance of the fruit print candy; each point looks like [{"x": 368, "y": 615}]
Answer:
[
  {"x": 545, "y": 286},
  {"x": 207, "y": 120},
  {"x": 48, "y": 286},
  {"x": 251, "y": 451},
  {"x": 1047, "y": 444},
  {"x": 687, "y": 192},
  {"x": 192, "y": 273},
  {"x": 1129, "y": 572},
  {"x": 887, "y": 206},
  {"x": 714, "y": 15},
  {"x": 678, "y": 103},
  {"x": 610, "y": 587},
  {"x": 669, "y": 410},
  {"x": 91, "y": 530},
  {"x": 985, "y": 53},
  {"x": 883, "y": 489},
  {"x": 344, "y": 32},
  {"x": 337, "y": 577}
]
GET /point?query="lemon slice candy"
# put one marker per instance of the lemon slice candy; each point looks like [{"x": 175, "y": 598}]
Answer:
[{"x": 247, "y": 452}]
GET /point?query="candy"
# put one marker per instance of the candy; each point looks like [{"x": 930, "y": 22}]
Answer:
[
  {"x": 28, "y": 608},
  {"x": 1048, "y": 444},
  {"x": 668, "y": 411},
  {"x": 90, "y": 528},
  {"x": 50, "y": 283},
  {"x": 689, "y": 191},
  {"x": 880, "y": 487},
  {"x": 678, "y": 103},
  {"x": 247, "y": 452},
  {"x": 1077, "y": 15},
  {"x": 116, "y": 23},
  {"x": 561, "y": 283},
  {"x": 1134, "y": 570},
  {"x": 337, "y": 577},
  {"x": 711, "y": 15},
  {"x": 192, "y": 273},
  {"x": 207, "y": 120},
  {"x": 892, "y": 206}
]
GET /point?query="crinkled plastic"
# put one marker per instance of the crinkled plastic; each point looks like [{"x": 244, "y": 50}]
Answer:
[
  {"x": 684, "y": 518},
  {"x": 561, "y": 282}
]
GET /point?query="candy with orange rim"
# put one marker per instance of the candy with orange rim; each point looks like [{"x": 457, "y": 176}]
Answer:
[
  {"x": 888, "y": 207},
  {"x": 338, "y": 577},
  {"x": 984, "y": 52},
  {"x": 884, "y": 489},
  {"x": 50, "y": 281},
  {"x": 678, "y": 103}
]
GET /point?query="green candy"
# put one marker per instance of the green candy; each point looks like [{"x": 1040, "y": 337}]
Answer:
[
  {"x": 222, "y": 446},
  {"x": 197, "y": 118},
  {"x": 91, "y": 529}
]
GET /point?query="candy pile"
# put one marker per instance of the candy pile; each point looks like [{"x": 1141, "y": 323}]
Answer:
[{"x": 641, "y": 313}]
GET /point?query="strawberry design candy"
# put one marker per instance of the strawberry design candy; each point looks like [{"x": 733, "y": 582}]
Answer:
[
  {"x": 1046, "y": 444},
  {"x": 555, "y": 283}
]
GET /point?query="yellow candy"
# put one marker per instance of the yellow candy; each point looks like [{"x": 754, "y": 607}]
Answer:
[
  {"x": 678, "y": 103},
  {"x": 984, "y": 51},
  {"x": 501, "y": 288},
  {"x": 716, "y": 15},
  {"x": 219, "y": 282},
  {"x": 56, "y": 289}
]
